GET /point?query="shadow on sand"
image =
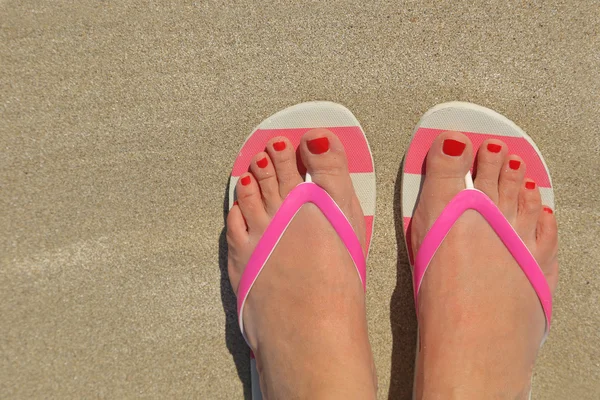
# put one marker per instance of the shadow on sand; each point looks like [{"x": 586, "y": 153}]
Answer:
[
  {"x": 402, "y": 313},
  {"x": 233, "y": 337}
]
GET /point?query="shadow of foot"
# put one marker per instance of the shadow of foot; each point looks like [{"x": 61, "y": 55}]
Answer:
[
  {"x": 402, "y": 313},
  {"x": 233, "y": 337}
]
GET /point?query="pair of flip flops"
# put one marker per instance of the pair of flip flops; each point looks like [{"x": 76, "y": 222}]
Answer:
[{"x": 476, "y": 122}]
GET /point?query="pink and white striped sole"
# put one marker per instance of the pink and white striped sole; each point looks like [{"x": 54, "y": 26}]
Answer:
[{"x": 293, "y": 123}]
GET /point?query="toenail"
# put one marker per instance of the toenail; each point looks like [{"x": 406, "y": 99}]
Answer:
[
  {"x": 514, "y": 164},
  {"x": 530, "y": 185},
  {"x": 318, "y": 146},
  {"x": 262, "y": 162},
  {"x": 548, "y": 210},
  {"x": 494, "y": 148},
  {"x": 278, "y": 146},
  {"x": 453, "y": 147},
  {"x": 246, "y": 180}
]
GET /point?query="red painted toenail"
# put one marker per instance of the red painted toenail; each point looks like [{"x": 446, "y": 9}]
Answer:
[
  {"x": 245, "y": 180},
  {"x": 494, "y": 148},
  {"x": 453, "y": 147},
  {"x": 548, "y": 210},
  {"x": 278, "y": 146},
  {"x": 262, "y": 162},
  {"x": 318, "y": 146},
  {"x": 530, "y": 185},
  {"x": 514, "y": 164}
]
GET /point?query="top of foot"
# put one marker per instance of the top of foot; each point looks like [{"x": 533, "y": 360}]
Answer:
[
  {"x": 476, "y": 307},
  {"x": 305, "y": 313}
]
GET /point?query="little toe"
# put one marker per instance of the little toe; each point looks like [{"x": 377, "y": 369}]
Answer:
[
  {"x": 264, "y": 171},
  {"x": 251, "y": 204},
  {"x": 490, "y": 159},
  {"x": 528, "y": 211},
  {"x": 281, "y": 151},
  {"x": 547, "y": 245},
  {"x": 509, "y": 186},
  {"x": 237, "y": 231}
]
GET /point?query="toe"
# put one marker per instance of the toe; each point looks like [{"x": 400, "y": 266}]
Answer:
[
  {"x": 264, "y": 171},
  {"x": 528, "y": 211},
  {"x": 251, "y": 204},
  {"x": 281, "y": 151},
  {"x": 511, "y": 180},
  {"x": 325, "y": 159},
  {"x": 449, "y": 157},
  {"x": 547, "y": 245},
  {"x": 490, "y": 159},
  {"x": 237, "y": 232},
  {"x": 448, "y": 161},
  {"x": 237, "y": 242}
]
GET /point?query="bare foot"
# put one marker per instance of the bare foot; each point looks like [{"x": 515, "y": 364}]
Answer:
[
  {"x": 305, "y": 316},
  {"x": 480, "y": 321}
]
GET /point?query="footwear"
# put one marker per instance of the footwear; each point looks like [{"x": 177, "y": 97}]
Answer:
[
  {"x": 477, "y": 124},
  {"x": 292, "y": 123}
]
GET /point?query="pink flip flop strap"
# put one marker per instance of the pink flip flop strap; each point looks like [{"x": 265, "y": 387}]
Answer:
[
  {"x": 473, "y": 199},
  {"x": 306, "y": 192}
]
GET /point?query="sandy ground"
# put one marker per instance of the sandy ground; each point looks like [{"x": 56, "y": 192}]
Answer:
[{"x": 119, "y": 125}]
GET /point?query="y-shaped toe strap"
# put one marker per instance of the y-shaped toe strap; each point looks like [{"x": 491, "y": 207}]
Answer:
[
  {"x": 473, "y": 199},
  {"x": 306, "y": 192}
]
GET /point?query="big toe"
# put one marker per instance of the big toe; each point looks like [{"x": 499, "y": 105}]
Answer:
[
  {"x": 448, "y": 162},
  {"x": 446, "y": 166},
  {"x": 325, "y": 159}
]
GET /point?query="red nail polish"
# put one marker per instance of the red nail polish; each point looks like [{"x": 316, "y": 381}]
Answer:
[
  {"x": 494, "y": 148},
  {"x": 318, "y": 146},
  {"x": 235, "y": 203},
  {"x": 262, "y": 162},
  {"x": 245, "y": 180},
  {"x": 530, "y": 185},
  {"x": 278, "y": 146},
  {"x": 453, "y": 147},
  {"x": 548, "y": 210},
  {"x": 514, "y": 164}
]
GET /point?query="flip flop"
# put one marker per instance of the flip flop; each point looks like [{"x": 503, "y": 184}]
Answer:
[
  {"x": 293, "y": 123},
  {"x": 478, "y": 124}
]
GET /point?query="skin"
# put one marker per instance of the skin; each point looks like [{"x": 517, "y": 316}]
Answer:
[{"x": 479, "y": 338}]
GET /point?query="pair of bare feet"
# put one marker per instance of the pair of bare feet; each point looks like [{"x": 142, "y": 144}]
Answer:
[{"x": 305, "y": 318}]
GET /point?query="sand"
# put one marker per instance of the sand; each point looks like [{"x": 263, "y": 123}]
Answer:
[{"x": 119, "y": 124}]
